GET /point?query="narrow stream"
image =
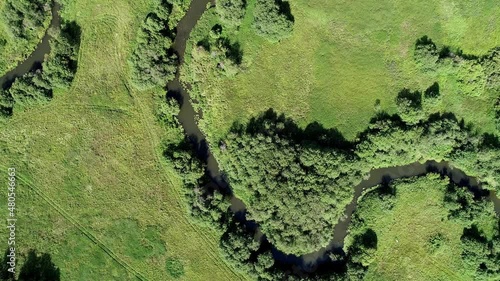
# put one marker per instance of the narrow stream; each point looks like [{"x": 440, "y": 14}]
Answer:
[
  {"x": 35, "y": 59},
  {"x": 188, "y": 119}
]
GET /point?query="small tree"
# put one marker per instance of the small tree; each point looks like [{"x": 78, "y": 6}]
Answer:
[
  {"x": 273, "y": 19},
  {"x": 410, "y": 106}
]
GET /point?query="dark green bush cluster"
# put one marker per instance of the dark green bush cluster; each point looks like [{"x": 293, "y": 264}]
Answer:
[
  {"x": 152, "y": 62},
  {"x": 167, "y": 111},
  {"x": 426, "y": 54},
  {"x": 273, "y": 19},
  {"x": 57, "y": 71},
  {"x": 294, "y": 190},
  {"x": 62, "y": 61},
  {"x": 231, "y": 12},
  {"x": 480, "y": 254},
  {"x": 24, "y": 17},
  {"x": 471, "y": 75}
]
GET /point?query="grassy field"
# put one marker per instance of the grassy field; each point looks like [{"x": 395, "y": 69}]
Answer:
[
  {"x": 342, "y": 57},
  {"x": 404, "y": 251},
  {"x": 93, "y": 189}
]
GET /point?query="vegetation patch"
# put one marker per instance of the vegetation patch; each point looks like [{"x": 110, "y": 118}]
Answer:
[
  {"x": 57, "y": 71},
  {"x": 422, "y": 229},
  {"x": 174, "y": 267},
  {"x": 152, "y": 62},
  {"x": 273, "y": 19},
  {"x": 23, "y": 24}
]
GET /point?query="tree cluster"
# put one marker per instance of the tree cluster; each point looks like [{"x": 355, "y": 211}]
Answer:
[
  {"x": 273, "y": 19},
  {"x": 296, "y": 191},
  {"x": 152, "y": 62},
  {"x": 481, "y": 254},
  {"x": 472, "y": 75},
  {"x": 24, "y": 17}
]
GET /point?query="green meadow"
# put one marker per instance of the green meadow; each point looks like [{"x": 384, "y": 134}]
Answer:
[{"x": 93, "y": 190}]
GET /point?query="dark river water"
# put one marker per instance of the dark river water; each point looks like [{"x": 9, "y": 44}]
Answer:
[{"x": 35, "y": 59}]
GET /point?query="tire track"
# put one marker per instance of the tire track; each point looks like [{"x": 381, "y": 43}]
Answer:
[{"x": 79, "y": 226}]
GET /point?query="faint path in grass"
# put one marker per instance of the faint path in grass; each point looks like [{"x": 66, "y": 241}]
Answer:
[{"x": 78, "y": 225}]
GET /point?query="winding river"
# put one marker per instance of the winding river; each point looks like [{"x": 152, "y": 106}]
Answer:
[{"x": 309, "y": 262}]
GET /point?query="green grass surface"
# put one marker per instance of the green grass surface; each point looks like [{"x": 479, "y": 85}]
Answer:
[
  {"x": 93, "y": 189},
  {"x": 404, "y": 232},
  {"x": 342, "y": 57}
]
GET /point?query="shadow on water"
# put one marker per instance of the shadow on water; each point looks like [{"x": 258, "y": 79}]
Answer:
[
  {"x": 36, "y": 58},
  {"x": 319, "y": 260}
]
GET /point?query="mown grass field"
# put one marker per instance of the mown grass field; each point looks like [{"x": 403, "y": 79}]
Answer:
[
  {"x": 93, "y": 189},
  {"x": 404, "y": 250},
  {"x": 342, "y": 56}
]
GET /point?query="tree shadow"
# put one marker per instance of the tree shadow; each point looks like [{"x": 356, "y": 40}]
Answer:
[
  {"x": 414, "y": 98},
  {"x": 39, "y": 268},
  {"x": 284, "y": 9},
  {"x": 425, "y": 40},
  {"x": 233, "y": 50}
]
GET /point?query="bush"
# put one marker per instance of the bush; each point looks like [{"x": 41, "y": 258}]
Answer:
[
  {"x": 231, "y": 12},
  {"x": 426, "y": 54},
  {"x": 30, "y": 89},
  {"x": 167, "y": 111},
  {"x": 24, "y": 17},
  {"x": 273, "y": 19},
  {"x": 152, "y": 63},
  {"x": 174, "y": 267}
]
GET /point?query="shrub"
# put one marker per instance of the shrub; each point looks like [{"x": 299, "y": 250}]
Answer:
[
  {"x": 231, "y": 12},
  {"x": 410, "y": 106},
  {"x": 23, "y": 17},
  {"x": 273, "y": 19},
  {"x": 60, "y": 67},
  {"x": 30, "y": 89},
  {"x": 426, "y": 54},
  {"x": 152, "y": 63},
  {"x": 174, "y": 267}
]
